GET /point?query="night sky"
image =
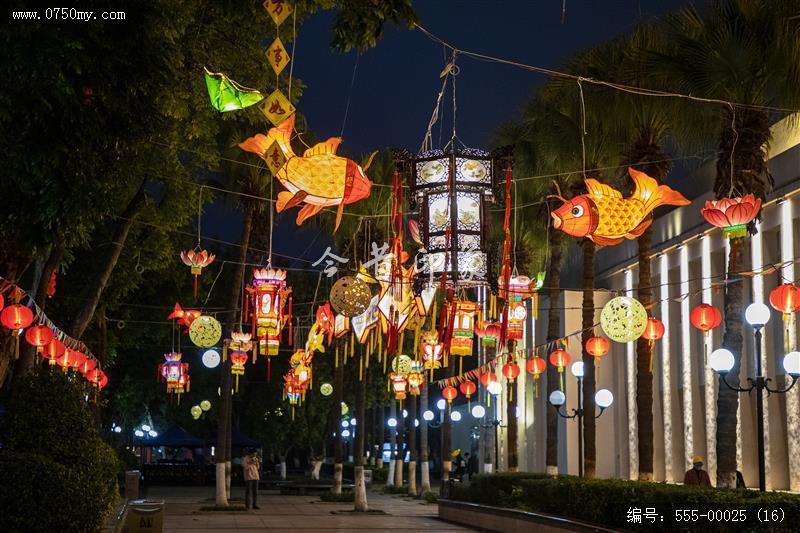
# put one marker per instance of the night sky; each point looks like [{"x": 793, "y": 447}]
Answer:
[{"x": 397, "y": 82}]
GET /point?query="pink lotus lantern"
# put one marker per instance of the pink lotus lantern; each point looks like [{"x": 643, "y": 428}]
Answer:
[
  {"x": 732, "y": 214},
  {"x": 197, "y": 260}
]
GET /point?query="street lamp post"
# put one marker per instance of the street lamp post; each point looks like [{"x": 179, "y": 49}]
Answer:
[
  {"x": 722, "y": 361},
  {"x": 602, "y": 398}
]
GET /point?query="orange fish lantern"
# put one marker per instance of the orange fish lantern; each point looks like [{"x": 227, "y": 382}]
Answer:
[
  {"x": 318, "y": 179},
  {"x": 197, "y": 260},
  {"x": 606, "y": 218},
  {"x": 175, "y": 373},
  {"x": 732, "y": 214},
  {"x": 185, "y": 317},
  {"x": 268, "y": 308}
]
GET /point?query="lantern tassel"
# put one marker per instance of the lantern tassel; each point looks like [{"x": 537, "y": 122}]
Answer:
[
  {"x": 651, "y": 343},
  {"x": 195, "y": 286},
  {"x": 269, "y": 368}
]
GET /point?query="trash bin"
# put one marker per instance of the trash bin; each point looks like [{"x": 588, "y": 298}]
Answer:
[
  {"x": 132, "y": 484},
  {"x": 144, "y": 516}
]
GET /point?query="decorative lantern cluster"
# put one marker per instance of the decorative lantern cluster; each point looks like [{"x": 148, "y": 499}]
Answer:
[
  {"x": 175, "y": 373},
  {"x": 269, "y": 296},
  {"x": 453, "y": 189}
]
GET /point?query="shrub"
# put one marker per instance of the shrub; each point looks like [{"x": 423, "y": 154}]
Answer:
[
  {"x": 387, "y": 489},
  {"x": 343, "y": 497},
  {"x": 58, "y": 475},
  {"x": 606, "y": 501},
  {"x": 430, "y": 497},
  {"x": 379, "y": 475}
]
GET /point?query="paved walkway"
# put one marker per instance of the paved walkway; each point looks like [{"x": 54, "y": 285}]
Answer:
[{"x": 294, "y": 513}]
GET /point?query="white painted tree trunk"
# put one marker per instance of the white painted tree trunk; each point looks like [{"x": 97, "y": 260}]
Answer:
[
  {"x": 228, "y": 479},
  {"x": 426, "y": 477},
  {"x": 390, "y": 477},
  {"x": 221, "y": 493},
  {"x": 337, "y": 479},
  {"x": 360, "y": 490},
  {"x": 447, "y": 467},
  {"x": 487, "y": 468},
  {"x": 398, "y": 472},
  {"x": 317, "y": 466},
  {"x": 283, "y": 469},
  {"x": 412, "y": 478}
]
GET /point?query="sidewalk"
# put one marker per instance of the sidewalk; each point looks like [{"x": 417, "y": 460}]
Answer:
[{"x": 293, "y": 513}]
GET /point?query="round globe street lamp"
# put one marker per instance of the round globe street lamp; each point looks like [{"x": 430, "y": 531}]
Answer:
[
  {"x": 722, "y": 361},
  {"x": 602, "y": 399}
]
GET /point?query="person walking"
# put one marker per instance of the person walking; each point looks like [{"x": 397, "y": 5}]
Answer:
[
  {"x": 696, "y": 475},
  {"x": 251, "y": 465}
]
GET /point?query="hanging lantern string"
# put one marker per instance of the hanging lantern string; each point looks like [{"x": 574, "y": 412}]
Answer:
[
  {"x": 612, "y": 85},
  {"x": 41, "y": 318}
]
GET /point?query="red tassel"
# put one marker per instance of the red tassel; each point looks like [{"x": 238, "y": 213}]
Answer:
[
  {"x": 269, "y": 368},
  {"x": 195, "y": 287},
  {"x": 291, "y": 326}
]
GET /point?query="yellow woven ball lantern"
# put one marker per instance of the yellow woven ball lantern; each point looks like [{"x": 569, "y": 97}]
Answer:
[
  {"x": 205, "y": 331},
  {"x": 350, "y": 296},
  {"x": 623, "y": 319}
]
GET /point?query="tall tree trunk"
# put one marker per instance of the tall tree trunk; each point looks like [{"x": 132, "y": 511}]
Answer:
[
  {"x": 380, "y": 420},
  {"x": 587, "y": 316},
  {"x": 100, "y": 280},
  {"x": 727, "y": 399},
  {"x": 338, "y": 445},
  {"x": 511, "y": 418},
  {"x": 362, "y": 427},
  {"x": 553, "y": 334},
  {"x": 644, "y": 376},
  {"x": 425, "y": 475},
  {"x": 27, "y": 352},
  {"x": 400, "y": 459},
  {"x": 412, "y": 446},
  {"x": 224, "y": 425}
]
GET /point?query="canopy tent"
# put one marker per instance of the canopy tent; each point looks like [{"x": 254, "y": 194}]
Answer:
[
  {"x": 174, "y": 437},
  {"x": 240, "y": 440}
]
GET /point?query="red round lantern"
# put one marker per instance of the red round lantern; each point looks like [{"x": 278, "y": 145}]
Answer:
[
  {"x": 535, "y": 366},
  {"x": 598, "y": 346},
  {"x": 2, "y": 301},
  {"x": 559, "y": 359},
  {"x": 449, "y": 393},
  {"x": 705, "y": 317},
  {"x": 39, "y": 336},
  {"x": 488, "y": 378},
  {"x": 97, "y": 378},
  {"x": 467, "y": 388},
  {"x": 88, "y": 365},
  {"x": 785, "y": 298},
  {"x": 511, "y": 371},
  {"x": 53, "y": 350},
  {"x": 16, "y": 317},
  {"x": 76, "y": 359},
  {"x": 63, "y": 361},
  {"x": 654, "y": 329}
]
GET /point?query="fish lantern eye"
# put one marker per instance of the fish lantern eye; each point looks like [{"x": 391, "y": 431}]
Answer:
[{"x": 577, "y": 211}]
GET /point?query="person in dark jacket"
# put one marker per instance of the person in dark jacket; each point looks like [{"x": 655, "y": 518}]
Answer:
[{"x": 696, "y": 475}]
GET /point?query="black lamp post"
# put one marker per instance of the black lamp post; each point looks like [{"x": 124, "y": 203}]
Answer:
[
  {"x": 722, "y": 361},
  {"x": 602, "y": 398}
]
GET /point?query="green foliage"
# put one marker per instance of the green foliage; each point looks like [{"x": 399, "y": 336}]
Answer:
[
  {"x": 393, "y": 489},
  {"x": 430, "y": 497},
  {"x": 605, "y": 501},
  {"x": 360, "y": 24},
  {"x": 379, "y": 475},
  {"x": 54, "y": 457}
]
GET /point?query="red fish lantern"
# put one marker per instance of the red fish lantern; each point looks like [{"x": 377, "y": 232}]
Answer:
[
  {"x": 705, "y": 317},
  {"x": 53, "y": 350},
  {"x": 488, "y": 333},
  {"x": 449, "y": 393},
  {"x": 467, "y": 388},
  {"x": 185, "y": 317},
  {"x": 786, "y": 299},
  {"x": 732, "y": 214},
  {"x": 317, "y": 179},
  {"x": 174, "y": 373},
  {"x": 269, "y": 297},
  {"x": 39, "y": 336},
  {"x": 463, "y": 323},
  {"x": 197, "y": 260}
]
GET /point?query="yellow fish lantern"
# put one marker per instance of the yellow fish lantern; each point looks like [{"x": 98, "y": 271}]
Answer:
[
  {"x": 319, "y": 178},
  {"x": 606, "y": 218}
]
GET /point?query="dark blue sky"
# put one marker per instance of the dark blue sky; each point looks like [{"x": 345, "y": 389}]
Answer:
[{"x": 396, "y": 83}]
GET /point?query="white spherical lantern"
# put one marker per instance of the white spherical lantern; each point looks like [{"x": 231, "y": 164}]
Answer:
[
  {"x": 721, "y": 360},
  {"x": 603, "y": 398}
]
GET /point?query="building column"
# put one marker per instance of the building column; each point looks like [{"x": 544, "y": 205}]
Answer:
[
  {"x": 710, "y": 377},
  {"x": 633, "y": 434},
  {"x": 790, "y": 340},
  {"x": 666, "y": 371},
  {"x": 686, "y": 359}
]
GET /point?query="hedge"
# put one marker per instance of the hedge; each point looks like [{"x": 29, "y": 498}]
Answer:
[
  {"x": 57, "y": 474},
  {"x": 606, "y": 501}
]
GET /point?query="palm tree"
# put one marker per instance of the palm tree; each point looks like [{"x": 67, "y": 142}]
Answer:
[{"x": 746, "y": 52}]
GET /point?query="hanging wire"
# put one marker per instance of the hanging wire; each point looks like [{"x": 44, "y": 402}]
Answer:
[{"x": 349, "y": 94}]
